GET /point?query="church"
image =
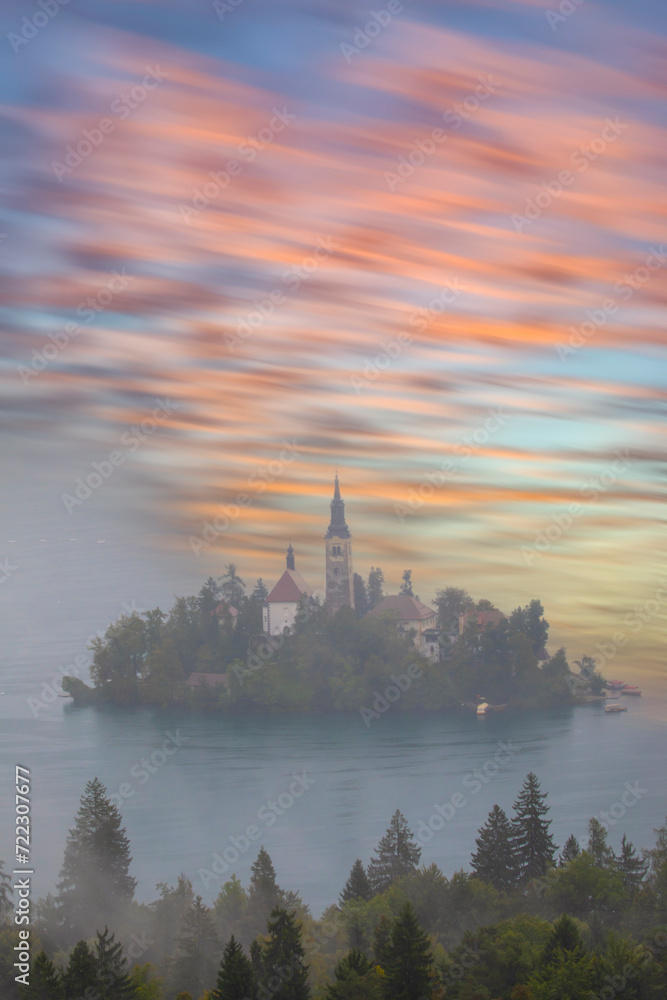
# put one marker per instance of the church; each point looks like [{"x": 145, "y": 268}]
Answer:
[{"x": 280, "y": 607}]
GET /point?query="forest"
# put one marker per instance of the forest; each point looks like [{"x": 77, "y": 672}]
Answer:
[
  {"x": 340, "y": 662},
  {"x": 528, "y": 920}
]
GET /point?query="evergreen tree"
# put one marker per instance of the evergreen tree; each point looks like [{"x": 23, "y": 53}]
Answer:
[
  {"x": 361, "y": 606},
  {"x": 570, "y": 851},
  {"x": 631, "y": 867},
  {"x": 194, "y": 966},
  {"x": 597, "y": 847},
  {"x": 45, "y": 981},
  {"x": 355, "y": 979},
  {"x": 397, "y": 854},
  {"x": 565, "y": 936},
  {"x": 112, "y": 977},
  {"x": 232, "y": 587},
  {"x": 81, "y": 972},
  {"x": 533, "y": 844},
  {"x": 408, "y": 971},
  {"x": 264, "y": 889},
  {"x": 495, "y": 861},
  {"x": 260, "y": 592},
  {"x": 283, "y": 954},
  {"x": 406, "y": 586},
  {"x": 382, "y": 942},
  {"x": 375, "y": 586},
  {"x": 236, "y": 980},
  {"x": 357, "y": 885},
  {"x": 94, "y": 878}
]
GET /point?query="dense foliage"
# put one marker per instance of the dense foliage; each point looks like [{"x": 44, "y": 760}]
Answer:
[
  {"x": 343, "y": 662},
  {"x": 590, "y": 926}
]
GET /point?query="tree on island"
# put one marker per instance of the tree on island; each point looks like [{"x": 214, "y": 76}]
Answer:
[
  {"x": 495, "y": 860},
  {"x": 532, "y": 842},
  {"x": 236, "y": 979},
  {"x": 531, "y": 622},
  {"x": 361, "y": 604},
  {"x": 397, "y": 854},
  {"x": 406, "y": 586},
  {"x": 375, "y": 586},
  {"x": 94, "y": 879},
  {"x": 232, "y": 587},
  {"x": 452, "y": 602},
  {"x": 357, "y": 885}
]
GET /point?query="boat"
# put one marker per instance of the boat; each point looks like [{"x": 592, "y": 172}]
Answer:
[
  {"x": 630, "y": 689},
  {"x": 616, "y": 685},
  {"x": 483, "y": 708},
  {"x": 611, "y": 709}
]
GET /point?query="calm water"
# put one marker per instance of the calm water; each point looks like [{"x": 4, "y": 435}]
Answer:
[{"x": 228, "y": 770}]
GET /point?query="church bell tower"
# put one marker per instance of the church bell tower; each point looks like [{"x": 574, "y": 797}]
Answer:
[{"x": 338, "y": 543}]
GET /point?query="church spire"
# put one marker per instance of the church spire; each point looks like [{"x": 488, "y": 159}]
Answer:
[
  {"x": 290, "y": 557},
  {"x": 337, "y": 525}
]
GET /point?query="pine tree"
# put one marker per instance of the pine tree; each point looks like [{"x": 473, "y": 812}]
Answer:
[
  {"x": 597, "y": 847},
  {"x": 375, "y": 586},
  {"x": 533, "y": 844},
  {"x": 397, "y": 854},
  {"x": 382, "y": 942},
  {"x": 495, "y": 861},
  {"x": 264, "y": 889},
  {"x": 565, "y": 936},
  {"x": 113, "y": 980},
  {"x": 355, "y": 979},
  {"x": 236, "y": 980},
  {"x": 570, "y": 851},
  {"x": 94, "y": 878},
  {"x": 232, "y": 586},
  {"x": 81, "y": 972},
  {"x": 361, "y": 606},
  {"x": 194, "y": 966},
  {"x": 357, "y": 885},
  {"x": 45, "y": 981},
  {"x": 260, "y": 592},
  {"x": 409, "y": 968},
  {"x": 285, "y": 975},
  {"x": 631, "y": 867}
]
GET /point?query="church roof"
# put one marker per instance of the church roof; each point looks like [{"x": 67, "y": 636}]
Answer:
[
  {"x": 408, "y": 609},
  {"x": 289, "y": 588},
  {"x": 337, "y": 526}
]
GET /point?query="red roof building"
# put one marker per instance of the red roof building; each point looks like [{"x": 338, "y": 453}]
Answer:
[
  {"x": 491, "y": 617},
  {"x": 280, "y": 607}
]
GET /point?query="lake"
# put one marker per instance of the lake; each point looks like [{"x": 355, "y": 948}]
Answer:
[{"x": 205, "y": 779}]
